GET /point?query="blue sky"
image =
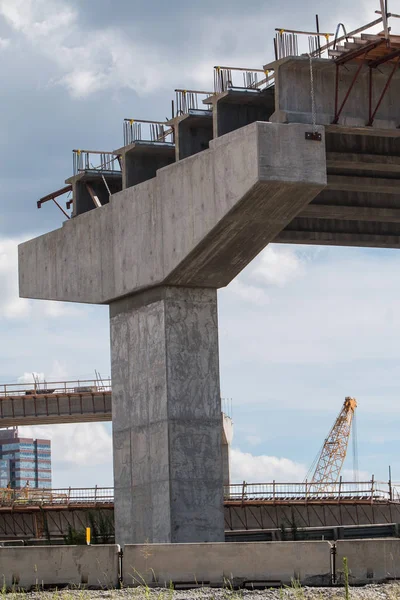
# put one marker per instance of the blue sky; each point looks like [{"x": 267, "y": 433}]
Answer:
[{"x": 300, "y": 328}]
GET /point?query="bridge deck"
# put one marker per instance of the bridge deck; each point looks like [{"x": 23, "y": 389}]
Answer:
[{"x": 56, "y": 402}]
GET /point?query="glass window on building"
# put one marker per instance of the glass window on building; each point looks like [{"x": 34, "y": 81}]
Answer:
[
  {"x": 24, "y": 460},
  {"x": 4, "y": 473}
]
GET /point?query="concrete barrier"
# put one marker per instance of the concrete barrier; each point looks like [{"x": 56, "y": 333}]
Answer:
[
  {"x": 27, "y": 567},
  {"x": 237, "y": 562},
  {"x": 368, "y": 561}
]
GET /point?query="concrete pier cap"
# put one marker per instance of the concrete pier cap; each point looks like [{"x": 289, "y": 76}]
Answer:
[
  {"x": 294, "y": 73},
  {"x": 199, "y": 222},
  {"x": 157, "y": 253}
]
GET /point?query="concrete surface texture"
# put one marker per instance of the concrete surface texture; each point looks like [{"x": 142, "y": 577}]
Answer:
[
  {"x": 268, "y": 562},
  {"x": 59, "y": 565},
  {"x": 167, "y": 417},
  {"x": 293, "y": 73},
  {"x": 141, "y": 160},
  {"x": 198, "y": 223},
  {"x": 193, "y": 132},
  {"x": 369, "y": 560},
  {"x": 220, "y": 564},
  {"x": 308, "y": 514},
  {"x": 234, "y": 108}
]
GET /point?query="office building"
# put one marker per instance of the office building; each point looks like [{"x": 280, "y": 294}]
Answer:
[{"x": 24, "y": 461}]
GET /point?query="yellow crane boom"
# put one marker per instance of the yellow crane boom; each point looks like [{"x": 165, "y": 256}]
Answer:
[{"x": 333, "y": 453}]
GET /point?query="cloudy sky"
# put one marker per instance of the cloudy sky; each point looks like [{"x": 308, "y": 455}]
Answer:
[{"x": 300, "y": 328}]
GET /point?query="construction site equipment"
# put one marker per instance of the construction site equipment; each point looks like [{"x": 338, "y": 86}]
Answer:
[{"x": 330, "y": 460}]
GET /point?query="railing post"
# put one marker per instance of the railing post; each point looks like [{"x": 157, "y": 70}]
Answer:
[
  {"x": 340, "y": 488},
  {"x": 95, "y": 494},
  {"x": 306, "y": 494},
  {"x": 243, "y": 491},
  {"x": 372, "y": 489},
  {"x": 273, "y": 490}
]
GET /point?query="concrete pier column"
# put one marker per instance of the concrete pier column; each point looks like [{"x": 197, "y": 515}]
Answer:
[{"x": 167, "y": 417}]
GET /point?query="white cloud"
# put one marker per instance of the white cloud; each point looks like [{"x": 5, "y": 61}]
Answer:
[
  {"x": 264, "y": 469},
  {"x": 30, "y": 377},
  {"x": 278, "y": 266},
  {"x": 343, "y": 310},
  {"x": 87, "y": 62},
  {"x": 37, "y": 18},
  {"x": 4, "y": 43},
  {"x": 249, "y": 293},
  {"x": 16, "y": 308},
  {"x": 11, "y": 306},
  {"x": 77, "y": 446}
]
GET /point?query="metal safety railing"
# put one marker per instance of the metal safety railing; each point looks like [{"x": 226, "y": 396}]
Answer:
[
  {"x": 189, "y": 100},
  {"x": 95, "y": 160},
  {"x": 55, "y": 387},
  {"x": 56, "y": 497},
  {"x": 286, "y": 41},
  {"x": 226, "y": 78},
  {"x": 279, "y": 492},
  {"x": 140, "y": 130},
  {"x": 371, "y": 491}
]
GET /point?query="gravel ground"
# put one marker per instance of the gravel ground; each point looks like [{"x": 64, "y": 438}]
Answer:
[{"x": 390, "y": 591}]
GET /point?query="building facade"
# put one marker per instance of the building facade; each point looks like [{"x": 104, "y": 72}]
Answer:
[{"x": 24, "y": 461}]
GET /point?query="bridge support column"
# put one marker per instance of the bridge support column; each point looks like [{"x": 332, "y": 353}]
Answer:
[{"x": 166, "y": 417}]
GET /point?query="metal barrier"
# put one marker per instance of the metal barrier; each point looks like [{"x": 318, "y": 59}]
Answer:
[
  {"x": 88, "y": 160},
  {"x": 38, "y": 388},
  {"x": 373, "y": 491},
  {"x": 226, "y": 78},
  {"x": 190, "y": 100},
  {"x": 286, "y": 40},
  {"x": 140, "y": 130},
  {"x": 278, "y": 492},
  {"x": 56, "y": 497}
]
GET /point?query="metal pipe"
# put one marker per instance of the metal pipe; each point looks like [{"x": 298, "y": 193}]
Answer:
[
  {"x": 384, "y": 19},
  {"x": 137, "y": 121},
  {"x": 239, "y": 69},
  {"x": 303, "y": 32},
  {"x": 77, "y": 151},
  {"x": 352, "y": 33},
  {"x": 194, "y": 91}
]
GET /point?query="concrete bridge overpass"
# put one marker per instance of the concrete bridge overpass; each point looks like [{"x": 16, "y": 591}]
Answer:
[
  {"x": 55, "y": 402},
  {"x": 310, "y": 157},
  {"x": 64, "y": 402}
]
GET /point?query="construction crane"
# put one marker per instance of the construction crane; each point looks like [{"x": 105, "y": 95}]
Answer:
[{"x": 330, "y": 459}]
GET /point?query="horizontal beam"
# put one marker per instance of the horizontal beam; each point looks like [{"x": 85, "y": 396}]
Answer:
[
  {"x": 366, "y": 131},
  {"x": 351, "y": 213},
  {"x": 64, "y": 190},
  {"x": 318, "y": 238},
  {"x": 371, "y": 185},
  {"x": 347, "y": 161}
]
